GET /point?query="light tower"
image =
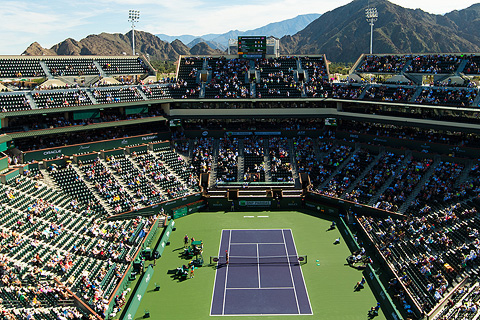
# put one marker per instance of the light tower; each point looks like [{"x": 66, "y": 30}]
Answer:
[
  {"x": 133, "y": 17},
  {"x": 372, "y": 15}
]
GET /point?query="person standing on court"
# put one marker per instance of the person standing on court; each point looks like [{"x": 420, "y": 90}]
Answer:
[
  {"x": 226, "y": 256},
  {"x": 185, "y": 241},
  {"x": 192, "y": 270}
]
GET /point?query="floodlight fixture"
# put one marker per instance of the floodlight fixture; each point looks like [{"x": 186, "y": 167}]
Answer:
[
  {"x": 133, "y": 17},
  {"x": 372, "y": 15}
]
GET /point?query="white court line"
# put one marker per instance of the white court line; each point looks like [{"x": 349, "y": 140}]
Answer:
[
  {"x": 267, "y": 288},
  {"x": 291, "y": 274},
  {"x": 216, "y": 271},
  {"x": 260, "y": 315},
  {"x": 248, "y": 216},
  {"x": 244, "y": 243},
  {"x": 258, "y": 268},
  {"x": 226, "y": 275},
  {"x": 263, "y": 216},
  {"x": 301, "y": 272}
]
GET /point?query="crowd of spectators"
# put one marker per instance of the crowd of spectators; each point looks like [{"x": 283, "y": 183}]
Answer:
[
  {"x": 48, "y": 240},
  {"x": 427, "y": 251},
  {"x": 280, "y": 166},
  {"x": 184, "y": 89},
  {"x": 456, "y": 138},
  {"x": 407, "y": 176},
  {"x": 440, "y": 187},
  {"x": 228, "y": 78},
  {"x": 388, "y": 93},
  {"x": 227, "y": 160},
  {"x": 383, "y": 64},
  {"x": 287, "y": 124},
  {"x": 28, "y": 123},
  {"x": 202, "y": 154},
  {"x": 447, "y": 96},
  {"x": 340, "y": 182},
  {"x": 254, "y": 164},
  {"x": 58, "y": 140},
  {"x": 375, "y": 178},
  {"x": 434, "y": 64}
]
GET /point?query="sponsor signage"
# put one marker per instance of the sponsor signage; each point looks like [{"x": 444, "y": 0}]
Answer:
[
  {"x": 88, "y": 147},
  {"x": 266, "y": 133},
  {"x": 251, "y": 203}
]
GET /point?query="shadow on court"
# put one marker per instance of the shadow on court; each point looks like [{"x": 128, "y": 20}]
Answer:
[{"x": 178, "y": 275}]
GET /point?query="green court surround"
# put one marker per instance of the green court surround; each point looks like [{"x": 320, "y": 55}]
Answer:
[{"x": 330, "y": 285}]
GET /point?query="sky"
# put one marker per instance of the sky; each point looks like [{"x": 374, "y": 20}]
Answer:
[{"x": 51, "y": 21}]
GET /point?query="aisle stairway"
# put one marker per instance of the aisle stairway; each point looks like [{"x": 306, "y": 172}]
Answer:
[
  {"x": 337, "y": 170},
  {"x": 388, "y": 182},
  {"x": 295, "y": 175},
  {"x": 241, "y": 160},
  {"x": 364, "y": 173},
  {"x": 266, "y": 161},
  {"x": 213, "y": 170},
  {"x": 419, "y": 186}
]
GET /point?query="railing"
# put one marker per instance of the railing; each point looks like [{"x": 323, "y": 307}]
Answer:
[{"x": 411, "y": 300}]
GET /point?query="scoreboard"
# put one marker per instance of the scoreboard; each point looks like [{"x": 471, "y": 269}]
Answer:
[{"x": 252, "y": 46}]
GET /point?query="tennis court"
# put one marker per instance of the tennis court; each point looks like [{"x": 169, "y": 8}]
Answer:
[
  {"x": 263, "y": 275},
  {"x": 329, "y": 282}
]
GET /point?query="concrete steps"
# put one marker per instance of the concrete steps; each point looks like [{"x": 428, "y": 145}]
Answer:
[
  {"x": 363, "y": 174},
  {"x": 389, "y": 181},
  {"x": 419, "y": 186},
  {"x": 213, "y": 171},
  {"x": 241, "y": 160},
  {"x": 337, "y": 170},
  {"x": 266, "y": 160}
]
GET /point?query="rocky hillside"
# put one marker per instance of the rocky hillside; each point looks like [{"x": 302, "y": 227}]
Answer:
[
  {"x": 118, "y": 44},
  {"x": 343, "y": 34}
]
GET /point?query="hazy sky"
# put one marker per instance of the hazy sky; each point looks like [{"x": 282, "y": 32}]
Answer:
[{"x": 49, "y": 22}]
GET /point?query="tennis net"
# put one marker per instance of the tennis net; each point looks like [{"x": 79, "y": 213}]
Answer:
[{"x": 252, "y": 260}]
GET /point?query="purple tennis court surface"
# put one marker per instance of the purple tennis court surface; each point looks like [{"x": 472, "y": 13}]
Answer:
[{"x": 250, "y": 286}]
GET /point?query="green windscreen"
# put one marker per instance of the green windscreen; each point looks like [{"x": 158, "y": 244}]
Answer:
[
  {"x": 87, "y": 114},
  {"x": 136, "y": 110}
]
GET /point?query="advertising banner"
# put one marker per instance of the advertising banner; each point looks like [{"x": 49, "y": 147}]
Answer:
[{"x": 91, "y": 147}]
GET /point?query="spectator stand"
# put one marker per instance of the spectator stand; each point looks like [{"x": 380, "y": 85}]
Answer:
[
  {"x": 390, "y": 93},
  {"x": 188, "y": 84},
  {"x": 315, "y": 67},
  {"x": 407, "y": 177},
  {"x": 227, "y": 162},
  {"x": 254, "y": 160},
  {"x": 63, "y": 98},
  {"x": 277, "y": 78},
  {"x": 334, "y": 161},
  {"x": 52, "y": 231},
  {"x": 14, "y": 102},
  {"x": 21, "y": 67},
  {"x": 448, "y": 96},
  {"x": 279, "y": 156},
  {"x": 344, "y": 176},
  {"x": 156, "y": 91},
  {"x": 375, "y": 178},
  {"x": 117, "y": 94},
  {"x": 228, "y": 78}
]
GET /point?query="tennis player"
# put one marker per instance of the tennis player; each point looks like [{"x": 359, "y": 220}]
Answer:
[{"x": 226, "y": 256}]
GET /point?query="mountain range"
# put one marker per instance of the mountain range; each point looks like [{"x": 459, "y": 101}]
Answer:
[
  {"x": 220, "y": 40},
  {"x": 118, "y": 44},
  {"x": 342, "y": 34}
]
